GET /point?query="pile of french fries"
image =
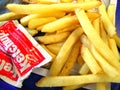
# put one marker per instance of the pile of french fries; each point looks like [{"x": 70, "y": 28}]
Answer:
[{"x": 78, "y": 33}]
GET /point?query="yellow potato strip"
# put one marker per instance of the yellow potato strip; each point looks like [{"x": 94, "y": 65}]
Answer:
[
  {"x": 114, "y": 48},
  {"x": 53, "y": 8},
  {"x": 53, "y": 38},
  {"x": 84, "y": 69},
  {"x": 57, "y": 81},
  {"x": 36, "y": 22},
  {"x": 10, "y": 16},
  {"x": 101, "y": 86}
]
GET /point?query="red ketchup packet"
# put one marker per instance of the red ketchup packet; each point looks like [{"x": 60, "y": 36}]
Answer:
[
  {"x": 7, "y": 71},
  {"x": 23, "y": 49}
]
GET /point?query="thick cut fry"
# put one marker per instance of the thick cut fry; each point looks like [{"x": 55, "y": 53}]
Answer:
[
  {"x": 54, "y": 38},
  {"x": 24, "y": 21},
  {"x": 70, "y": 28},
  {"x": 42, "y": 1},
  {"x": 84, "y": 69},
  {"x": 103, "y": 34},
  {"x": 90, "y": 60},
  {"x": 95, "y": 39},
  {"x": 101, "y": 86},
  {"x": 73, "y": 87},
  {"x": 66, "y": 1},
  {"x": 80, "y": 1},
  {"x": 71, "y": 60},
  {"x": 108, "y": 24},
  {"x": 96, "y": 24},
  {"x": 114, "y": 48},
  {"x": 10, "y": 16},
  {"x": 65, "y": 51},
  {"x": 117, "y": 39},
  {"x": 32, "y": 32},
  {"x": 36, "y": 22},
  {"x": 111, "y": 12},
  {"x": 60, "y": 24},
  {"x": 57, "y": 81},
  {"x": 55, "y": 48},
  {"x": 50, "y": 9},
  {"x": 93, "y": 15}
]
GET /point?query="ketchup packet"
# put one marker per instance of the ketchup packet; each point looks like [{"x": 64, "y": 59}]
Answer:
[
  {"x": 24, "y": 51},
  {"x": 7, "y": 71}
]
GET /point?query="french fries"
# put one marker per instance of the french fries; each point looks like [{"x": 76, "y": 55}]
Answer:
[
  {"x": 53, "y": 38},
  {"x": 51, "y": 9},
  {"x": 36, "y": 22},
  {"x": 58, "y": 81},
  {"x": 65, "y": 51},
  {"x": 10, "y": 16},
  {"x": 95, "y": 38},
  {"x": 71, "y": 60},
  {"x": 81, "y": 37}
]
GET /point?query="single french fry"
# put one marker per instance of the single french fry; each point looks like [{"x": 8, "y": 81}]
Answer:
[
  {"x": 58, "y": 81},
  {"x": 10, "y": 16},
  {"x": 50, "y": 9},
  {"x": 84, "y": 69},
  {"x": 55, "y": 48},
  {"x": 32, "y": 32},
  {"x": 103, "y": 33},
  {"x": 111, "y": 12},
  {"x": 108, "y": 24},
  {"x": 96, "y": 40},
  {"x": 24, "y": 21},
  {"x": 73, "y": 87},
  {"x": 68, "y": 66},
  {"x": 117, "y": 39},
  {"x": 70, "y": 28},
  {"x": 80, "y": 1},
  {"x": 36, "y": 22},
  {"x": 60, "y": 24},
  {"x": 93, "y": 15},
  {"x": 39, "y": 28},
  {"x": 114, "y": 48},
  {"x": 42, "y": 1},
  {"x": 66, "y": 1},
  {"x": 65, "y": 51},
  {"x": 101, "y": 86},
  {"x": 96, "y": 24},
  {"x": 90, "y": 60},
  {"x": 54, "y": 38}
]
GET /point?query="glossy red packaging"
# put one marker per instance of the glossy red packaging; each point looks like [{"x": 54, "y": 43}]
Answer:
[
  {"x": 24, "y": 51},
  {"x": 7, "y": 71}
]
